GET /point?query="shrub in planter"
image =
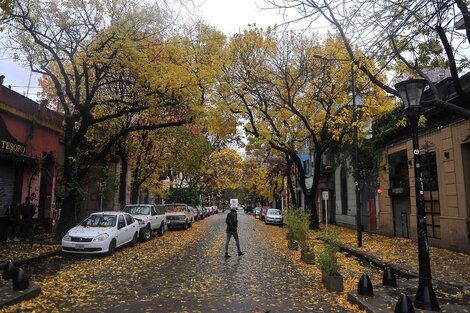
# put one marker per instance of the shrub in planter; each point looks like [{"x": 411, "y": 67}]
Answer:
[
  {"x": 307, "y": 253},
  {"x": 328, "y": 263},
  {"x": 297, "y": 226}
]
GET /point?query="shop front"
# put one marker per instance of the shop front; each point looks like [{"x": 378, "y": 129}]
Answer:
[{"x": 29, "y": 154}]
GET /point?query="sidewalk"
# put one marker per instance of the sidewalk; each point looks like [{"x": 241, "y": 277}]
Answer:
[
  {"x": 448, "y": 267},
  {"x": 22, "y": 253},
  {"x": 450, "y": 271}
]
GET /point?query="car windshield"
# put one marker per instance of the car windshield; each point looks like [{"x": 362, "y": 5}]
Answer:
[
  {"x": 137, "y": 209},
  {"x": 274, "y": 212},
  {"x": 175, "y": 208},
  {"x": 99, "y": 220}
]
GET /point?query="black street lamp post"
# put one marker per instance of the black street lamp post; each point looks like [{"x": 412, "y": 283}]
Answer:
[
  {"x": 356, "y": 161},
  {"x": 410, "y": 93}
]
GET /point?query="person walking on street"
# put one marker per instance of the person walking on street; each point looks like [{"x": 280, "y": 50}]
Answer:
[
  {"x": 27, "y": 211},
  {"x": 13, "y": 213},
  {"x": 232, "y": 225}
]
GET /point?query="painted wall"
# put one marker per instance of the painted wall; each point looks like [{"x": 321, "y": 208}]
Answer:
[{"x": 450, "y": 146}]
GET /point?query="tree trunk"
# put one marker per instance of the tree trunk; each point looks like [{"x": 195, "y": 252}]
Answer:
[
  {"x": 290, "y": 184},
  {"x": 67, "y": 218},
  {"x": 134, "y": 194},
  {"x": 123, "y": 175},
  {"x": 314, "y": 223}
]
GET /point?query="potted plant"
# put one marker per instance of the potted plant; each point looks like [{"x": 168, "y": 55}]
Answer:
[
  {"x": 328, "y": 263},
  {"x": 297, "y": 227},
  {"x": 307, "y": 253}
]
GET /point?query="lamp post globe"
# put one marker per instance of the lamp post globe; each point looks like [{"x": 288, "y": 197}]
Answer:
[{"x": 410, "y": 92}]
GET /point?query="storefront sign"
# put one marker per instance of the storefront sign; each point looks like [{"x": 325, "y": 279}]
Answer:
[
  {"x": 12, "y": 147},
  {"x": 8, "y": 142}
]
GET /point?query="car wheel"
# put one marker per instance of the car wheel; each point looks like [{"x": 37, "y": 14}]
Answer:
[
  {"x": 134, "y": 240},
  {"x": 186, "y": 225},
  {"x": 190, "y": 224},
  {"x": 112, "y": 247},
  {"x": 146, "y": 233},
  {"x": 161, "y": 230}
]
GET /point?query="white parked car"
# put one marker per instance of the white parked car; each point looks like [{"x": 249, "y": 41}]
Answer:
[
  {"x": 179, "y": 215},
  {"x": 273, "y": 216},
  {"x": 102, "y": 232},
  {"x": 149, "y": 219}
]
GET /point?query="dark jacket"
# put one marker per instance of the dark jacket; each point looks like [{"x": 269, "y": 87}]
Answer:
[
  {"x": 231, "y": 220},
  {"x": 28, "y": 210}
]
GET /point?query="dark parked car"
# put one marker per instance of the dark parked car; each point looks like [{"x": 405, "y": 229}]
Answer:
[{"x": 248, "y": 209}]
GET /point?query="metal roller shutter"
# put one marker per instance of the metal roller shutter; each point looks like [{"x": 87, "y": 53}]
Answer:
[{"x": 7, "y": 183}]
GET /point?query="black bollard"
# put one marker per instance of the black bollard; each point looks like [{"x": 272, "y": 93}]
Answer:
[
  {"x": 9, "y": 270},
  {"x": 21, "y": 280},
  {"x": 404, "y": 304},
  {"x": 364, "y": 287},
  {"x": 389, "y": 278}
]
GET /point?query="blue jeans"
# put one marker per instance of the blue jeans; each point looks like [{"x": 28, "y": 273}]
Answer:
[{"x": 235, "y": 235}]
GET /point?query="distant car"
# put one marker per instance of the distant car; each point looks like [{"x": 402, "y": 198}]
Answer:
[
  {"x": 273, "y": 216},
  {"x": 149, "y": 219},
  {"x": 216, "y": 209},
  {"x": 197, "y": 217},
  {"x": 262, "y": 213},
  {"x": 200, "y": 212},
  {"x": 102, "y": 232},
  {"x": 248, "y": 209},
  {"x": 256, "y": 212},
  {"x": 179, "y": 215}
]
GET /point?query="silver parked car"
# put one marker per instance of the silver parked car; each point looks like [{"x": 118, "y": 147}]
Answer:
[
  {"x": 179, "y": 215},
  {"x": 274, "y": 216},
  {"x": 256, "y": 212}
]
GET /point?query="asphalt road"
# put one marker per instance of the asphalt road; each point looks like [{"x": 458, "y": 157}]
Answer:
[{"x": 183, "y": 271}]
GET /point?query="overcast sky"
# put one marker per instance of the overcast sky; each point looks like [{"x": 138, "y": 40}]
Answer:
[{"x": 230, "y": 16}]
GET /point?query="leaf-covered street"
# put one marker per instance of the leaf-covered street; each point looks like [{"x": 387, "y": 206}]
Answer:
[{"x": 184, "y": 271}]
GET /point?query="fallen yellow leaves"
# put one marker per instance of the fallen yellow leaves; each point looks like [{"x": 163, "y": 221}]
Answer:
[
  {"x": 92, "y": 281},
  {"x": 22, "y": 250},
  {"x": 351, "y": 269},
  {"x": 445, "y": 264}
]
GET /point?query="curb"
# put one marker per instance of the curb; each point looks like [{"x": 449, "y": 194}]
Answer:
[
  {"x": 9, "y": 296},
  {"x": 36, "y": 258},
  {"x": 399, "y": 270}
]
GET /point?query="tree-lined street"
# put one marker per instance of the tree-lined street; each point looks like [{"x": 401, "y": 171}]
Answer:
[
  {"x": 144, "y": 105},
  {"x": 183, "y": 271}
]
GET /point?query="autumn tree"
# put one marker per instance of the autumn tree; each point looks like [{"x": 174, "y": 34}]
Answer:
[
  {"x": 407, "y": 38},
  {"x": 224, "y": 174},
  {"x": 87, "y": 48},
  {"x": 293, "y": 100}
]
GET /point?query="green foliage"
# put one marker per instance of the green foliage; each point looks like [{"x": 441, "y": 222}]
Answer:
[
  {"x": 107, "y": 183},
  {"x": 307, "y": 247},
  {"x": 327, "y": 260},
  {"x": 186, "y": 195},
  {"x": 297, "y": 225}
]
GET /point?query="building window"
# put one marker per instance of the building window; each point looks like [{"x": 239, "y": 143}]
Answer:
[
  {"x": 344, "y": 191},
  {"x": 307, "y": 167},
  {"x": 431, "y": 195}
]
